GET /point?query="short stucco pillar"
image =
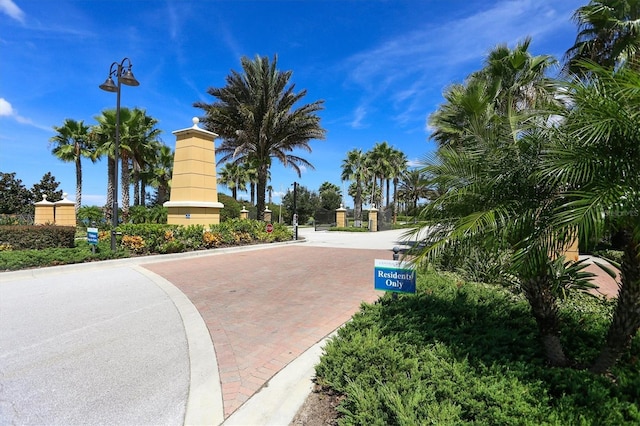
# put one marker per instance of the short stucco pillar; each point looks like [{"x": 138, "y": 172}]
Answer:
[
  {"x": 45, "y": 212},
  {"x": 341, "y": 217},
  {"x": 194, "y": 191},
  {"x": 244, "y": 213},
  {"x": 65, "y": 212},
  {"x": 373, "y": 219},
  {"x": 267, "y": 214}
]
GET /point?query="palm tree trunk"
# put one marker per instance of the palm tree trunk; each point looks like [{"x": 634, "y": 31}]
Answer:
[
  {"x": 626, "y": 318},
  {"x": 545, "y": 311},
  {"x": 78, "y": 184},
  {"x": 136, "y": 188},
  {"x": 125, "y": 179},
  {"x": 108, "y": 211},
  {"x": 263, "y": 172},
  {"x": 358, "y": 204}
]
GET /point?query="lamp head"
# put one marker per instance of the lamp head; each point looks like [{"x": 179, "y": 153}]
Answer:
[
  {"x": 129, "y": 79},
  {"x": 109, "y": 85}
]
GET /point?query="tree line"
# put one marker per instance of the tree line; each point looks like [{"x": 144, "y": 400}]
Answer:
[{"x": 528, "y": 161}]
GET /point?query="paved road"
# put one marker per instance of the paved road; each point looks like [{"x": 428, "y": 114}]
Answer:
[{"x": 129, "y": 342}]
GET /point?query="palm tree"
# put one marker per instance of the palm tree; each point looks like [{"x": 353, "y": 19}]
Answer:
[
  {"x": 381, "y": 163},
  {"x": 162, "y": 169},
  {"x": 598, "y": 157},
  {"x": 609, "y": 35},
  {"x": 257, "y": 117},
  {"x": 104, "y": 135},
  {"x": 412, "y": 187},
  {"x": 72, "y": 142},
  {"x": 234, "y": 177},
  {"x": 398, "y": 167},
  {"x": 144, "y": 144},
  {"x": 354, "y": 168},
  {"x": 487, "y": 172}
]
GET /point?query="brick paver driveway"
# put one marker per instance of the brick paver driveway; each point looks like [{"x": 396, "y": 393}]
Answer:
[{"x": 263, "y": 308}]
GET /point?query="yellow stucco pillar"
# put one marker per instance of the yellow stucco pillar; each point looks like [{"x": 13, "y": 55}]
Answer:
[
  {"x": 194, "y": 191},
  {"x": 373, "y": 219},
  {"x": 244, "y": 213},
  {"x": 267, "y": 214},
  {"x": 65, "y": 212},
  {"x": 45, "y": 212},
  {"x": 341, "y": 217}
]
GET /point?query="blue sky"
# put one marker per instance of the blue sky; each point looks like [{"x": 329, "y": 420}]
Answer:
[{"x": 380, "y": 67}]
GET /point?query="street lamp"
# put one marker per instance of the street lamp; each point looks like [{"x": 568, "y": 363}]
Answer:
[{"x": 117, "y": 70}]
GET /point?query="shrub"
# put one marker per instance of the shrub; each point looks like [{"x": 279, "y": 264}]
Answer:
[
  {"x": 21, "y": 237},
  {"x": 458, "y": 353}
]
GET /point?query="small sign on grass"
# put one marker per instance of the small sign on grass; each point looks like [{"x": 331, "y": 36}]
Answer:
[{"x": 394, "y": 275}]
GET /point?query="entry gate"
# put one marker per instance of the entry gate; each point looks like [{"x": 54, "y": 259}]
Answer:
[{"x": 324, "y": 219}]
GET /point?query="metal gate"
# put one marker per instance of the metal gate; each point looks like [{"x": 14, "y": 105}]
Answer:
[
  {"x": 385, "y": 218},
  {"x": 324, "y": 219}
]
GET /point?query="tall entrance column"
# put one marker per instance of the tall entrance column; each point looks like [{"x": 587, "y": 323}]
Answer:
[{"x": 194, "y": 190}]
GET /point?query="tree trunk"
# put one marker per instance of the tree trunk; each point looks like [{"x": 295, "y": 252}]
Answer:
[
  {"x": 136, "y": 188},
  {"x": 263, "y": 172},
  {"x": 78, "y": 184},
  {"x": 545, "y": 311},
  {"x": 125, "y": 179},
  {"x": 357, "y": 209},
  {"x": 108, "y": 211},
  {"x": 626, "y": 318}
]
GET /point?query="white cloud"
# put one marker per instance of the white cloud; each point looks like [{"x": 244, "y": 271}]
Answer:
[
  {"x": 359, "y": 115},
  {"x": 8, "y": 7},
  {"x": 6, "y": 110}
]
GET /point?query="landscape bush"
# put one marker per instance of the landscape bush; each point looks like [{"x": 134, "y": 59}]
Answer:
[
  {"x": 141, "y": 239},
  {"x": 459, "y": 352},
  {"x": 21, "y": 237}
]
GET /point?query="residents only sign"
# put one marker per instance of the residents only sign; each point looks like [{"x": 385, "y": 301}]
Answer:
[{"x": 394, "y": 275}]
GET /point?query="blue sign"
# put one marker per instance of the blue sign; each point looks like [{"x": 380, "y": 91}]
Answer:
[
  {"x": 394, "y": 275},
  {"x": 92, "y": 235}
]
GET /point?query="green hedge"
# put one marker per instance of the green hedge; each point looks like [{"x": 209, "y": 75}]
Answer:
[
  {"x": 465, "y": 353},
  {"x": 37, "y": 237}
]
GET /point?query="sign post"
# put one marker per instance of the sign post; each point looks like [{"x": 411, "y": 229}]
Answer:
[
  {"x": 92, "y": 238},
  {"x": 395, "y": 276}
]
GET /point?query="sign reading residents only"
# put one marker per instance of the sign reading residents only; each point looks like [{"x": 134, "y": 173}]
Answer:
[
  {"x": 92, "y": 236},
  {"x": 394, "y": 275}
]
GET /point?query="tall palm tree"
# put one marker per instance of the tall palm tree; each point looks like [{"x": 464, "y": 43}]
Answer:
[
  {"x": 380, "y": 158},
  {"x": 144, "y": 144},
  {"x": 234, "y": 177},
  {"x": 609, "y": 35},
  {"x": 104, "y": 135},
  {"x": 398, "y": 167},
  {"x": 354, "y": 168},
  {"x": 257, "y": 116},
  {"x": 598, "y": 157},
  {"x": 72, "y": 142}
]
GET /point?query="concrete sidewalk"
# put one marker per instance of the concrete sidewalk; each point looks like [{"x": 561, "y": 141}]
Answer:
[{"x": 130, "y": 341}]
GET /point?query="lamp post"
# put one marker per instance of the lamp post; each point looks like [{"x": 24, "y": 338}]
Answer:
[{"x": 117, "y": 70}]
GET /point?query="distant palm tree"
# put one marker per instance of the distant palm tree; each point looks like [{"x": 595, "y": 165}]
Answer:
[
  {"x": 354, "y": 169},
  {"x": 381, "y": 164},
  {"x": 259, "y": 117},
  {"x": 72, "y": 142},
  {"x": 234, "y": 177}
]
